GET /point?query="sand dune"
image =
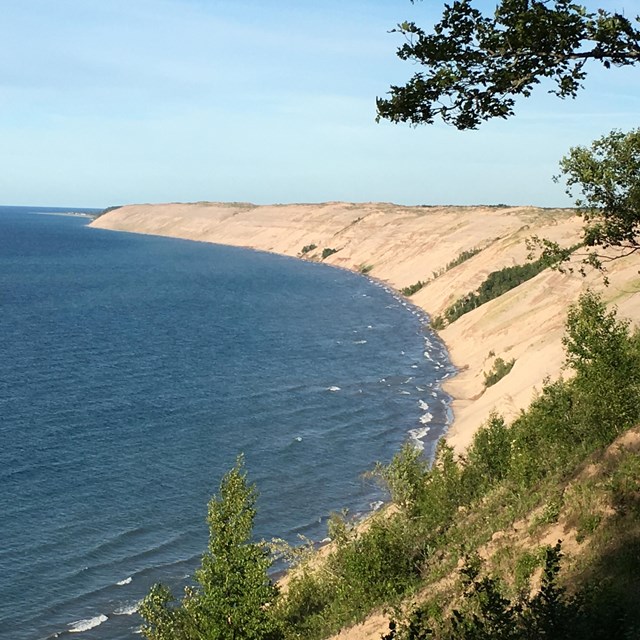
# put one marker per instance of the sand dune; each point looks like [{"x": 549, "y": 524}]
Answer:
[{"x": 405, "y": 244}]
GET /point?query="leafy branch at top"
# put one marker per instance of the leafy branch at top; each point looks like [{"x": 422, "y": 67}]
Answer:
[{"x": 476, "y": 65}]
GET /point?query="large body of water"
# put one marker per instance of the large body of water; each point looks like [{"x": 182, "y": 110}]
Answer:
[{"x": 134, "y": 369}]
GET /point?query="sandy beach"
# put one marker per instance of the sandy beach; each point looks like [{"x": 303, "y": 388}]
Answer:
[{"x": 402, "y": 245}]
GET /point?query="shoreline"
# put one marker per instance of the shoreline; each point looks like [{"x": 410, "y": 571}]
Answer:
[
  {"x": 425, "y": 320},
  {"x": 401, "y": 245}
]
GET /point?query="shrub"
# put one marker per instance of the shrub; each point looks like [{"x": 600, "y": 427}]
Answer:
[
  {"x": 326, "y": 252},
  {"x": 500, "y": 370},
  {"x": 404, "y": 477},
  {"x": 489, "y": 456},
  {"x": 459, "y": 259},
  {"x": 308, "y": 247},
  {"x": 412, "y": 288}
]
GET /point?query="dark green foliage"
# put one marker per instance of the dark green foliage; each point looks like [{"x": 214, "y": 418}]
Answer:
[
  {"x": 500, "y": 370},
  {"x": 607, "y": 178},
  {"x": 438, "y": 323},
  {"x": 376, "y": 566},
  {"x": 544, "y": 437},
  {"x": 326, "y": 252},
  {"x": 412, "y": 288},
  {"x": 489, "y": 456},
  {"x": 443, "y": 493},
  {"x": 474, "y": 66},
  {"x": 308, "y": 247},
  {"x": 109, "y": 209},
  {"x": 233, "y": 592},
  {"x": 365, "y": 268},
  {"x": 497, "y": 283},
  {"x": 605, "y": 359},
  {"x": 488, "y": 614},
  {"x": 461, "y": 257}
]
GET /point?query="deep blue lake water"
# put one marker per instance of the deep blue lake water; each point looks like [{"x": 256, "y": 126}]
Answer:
[{"x": 134, "y": 369}]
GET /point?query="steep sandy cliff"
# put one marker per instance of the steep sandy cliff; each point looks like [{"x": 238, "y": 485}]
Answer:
[{"x": 405, "y": 244}]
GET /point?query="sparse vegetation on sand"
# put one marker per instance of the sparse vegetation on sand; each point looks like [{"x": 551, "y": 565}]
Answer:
[
  {"x": 307, "y": 248},
  {"x": 463, "y": 256},
  {"x": 499, "y": 370}
]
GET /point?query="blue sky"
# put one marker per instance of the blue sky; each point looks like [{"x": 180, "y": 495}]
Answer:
[{"x": 110, "y": 101}]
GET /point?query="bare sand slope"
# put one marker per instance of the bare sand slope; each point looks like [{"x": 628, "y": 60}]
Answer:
[{"x": 405, "y": 244}]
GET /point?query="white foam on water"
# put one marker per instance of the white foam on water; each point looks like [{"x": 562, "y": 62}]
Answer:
[
  {"x": 359, "y": 342},
  {"x": 405, "y": 393},
  {"x": 414, "y": 366},
  {"x": 333, "y": 388},
  {"x": 417, "y": 435},
  {"x": 375, "y": 506},
  {"x": 423, "y": 405},
  {"x": 426, "y": 418},
  {"x": 127, "y": 610},
  {"x": 84, "y": 625},
  {"x": 298, "y": 439},
  {"x": 121, "y": 583}
]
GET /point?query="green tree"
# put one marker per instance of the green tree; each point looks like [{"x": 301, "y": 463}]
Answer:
[
  {"x": 404, "y": 477},
  {"x": 605, "y": 180},
  {"x": 233, "y": 593},
  {"x": 605, "y": 359},
  {"x": 476, "y": 65}
]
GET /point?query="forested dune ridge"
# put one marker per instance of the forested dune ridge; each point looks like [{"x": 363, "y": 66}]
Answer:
[{"x": 439, "y": 255}]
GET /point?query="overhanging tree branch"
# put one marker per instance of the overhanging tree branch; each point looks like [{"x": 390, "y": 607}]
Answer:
[{"x": 476, "y": 65}]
